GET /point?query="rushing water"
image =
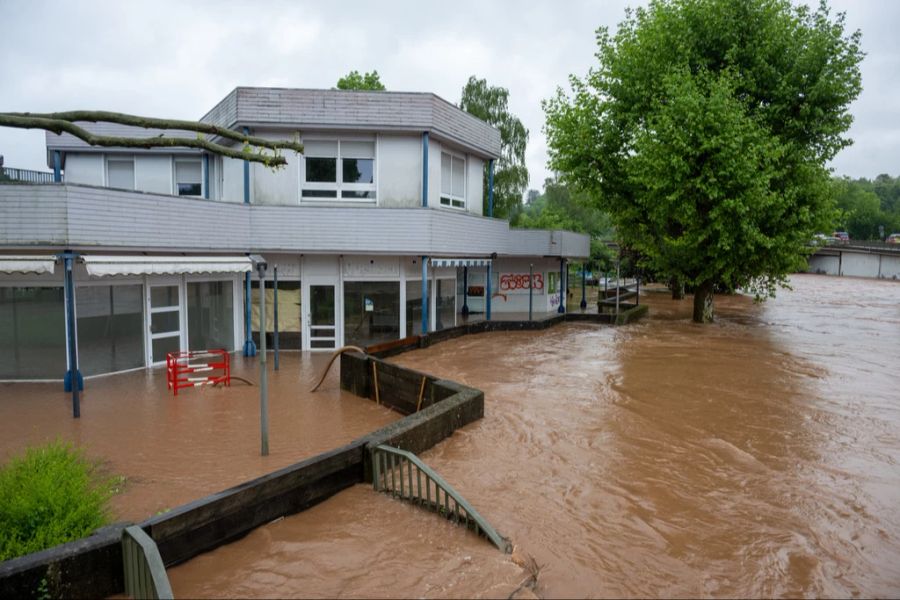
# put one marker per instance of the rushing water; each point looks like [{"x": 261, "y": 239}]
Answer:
[{"x": 757, "y": 456}]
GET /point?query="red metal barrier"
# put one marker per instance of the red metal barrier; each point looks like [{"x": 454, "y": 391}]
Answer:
[{"x": 183, "y": 368}]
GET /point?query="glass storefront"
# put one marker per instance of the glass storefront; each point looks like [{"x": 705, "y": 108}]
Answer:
[
  {"x": 371, "y": 312},
  {"x": 210, "y": 315},
  {"x": 414, "y": 306},
  {"x": 111, "y": 327},
  {"x": 445, "y": 314},
  {"x": 32, "y": 333},
  {"x": 289, "y": 329}
]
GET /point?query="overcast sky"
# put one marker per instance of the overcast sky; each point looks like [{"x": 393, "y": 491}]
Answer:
[{"x": 177, "y": 59}]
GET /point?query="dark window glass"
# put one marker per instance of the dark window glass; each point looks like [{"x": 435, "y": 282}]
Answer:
[
  {"x": 319, "y": 194},
  {"x": 322, "y": 170},
  {"x": 110, "y": 328},
  {"x": 190, "y": 189},
  {"x": 357, "y": 194},
  {"x": 371, "y": 312},
  {"x": 32, "y": 333},
  {"x": 359, "y": 170}
]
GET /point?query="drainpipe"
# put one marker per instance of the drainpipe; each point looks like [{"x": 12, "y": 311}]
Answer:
[
  {"x": 249, "y": 344},
  {"x": 583, "y": 276},
  {"x": 247, "y": 175},
  {"x": 530, "y": 289},
  {"x": 206, "y": 176},
  {"x": 465, "y": 306},
  {"x": 73, "y": 381},
  {"x": 275, "y": 309},
  {"x": 57, "y": 167},
  {"x": 491, "y": 188},
  {"x": 487, "y": 294},
  {"x": 425, "y": 170},
  {"x": 562, "y": 289},
  {"x": 425, "y": 292}
]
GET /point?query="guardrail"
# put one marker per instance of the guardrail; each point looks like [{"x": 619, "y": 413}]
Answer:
[
  {"x": 145, "y": 573},
  {"x": 389, "y": 477},
  {"x": 8, "y": 174}
]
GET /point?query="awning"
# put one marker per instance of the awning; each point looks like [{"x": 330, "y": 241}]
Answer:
[
  {"x": 460, "y": 262},
  {"x": 100, "y": 266},
  {"x": 39, "y": 264}
]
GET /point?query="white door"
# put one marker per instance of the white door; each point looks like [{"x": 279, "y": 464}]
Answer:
[
  {"x": 164, "y": 320},
  {"x": 321, "y": 318}
]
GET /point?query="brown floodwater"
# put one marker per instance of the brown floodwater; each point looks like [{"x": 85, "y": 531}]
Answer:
[
  {"x": 172, "y": 450},
  {"x": 757, "y": 456}
]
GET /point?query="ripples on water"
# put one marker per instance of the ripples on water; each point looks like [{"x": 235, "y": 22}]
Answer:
[{"x": 757, "y": 456}]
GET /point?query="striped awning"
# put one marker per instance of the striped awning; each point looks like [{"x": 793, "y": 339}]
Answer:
[
  {"x": 460, "y": 262},
  {"x": 39, "y": 264},
  {"x": 100, "y": 266}
]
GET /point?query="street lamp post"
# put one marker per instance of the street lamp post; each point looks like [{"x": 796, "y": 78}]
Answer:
[{"x": 261, "y": 265}]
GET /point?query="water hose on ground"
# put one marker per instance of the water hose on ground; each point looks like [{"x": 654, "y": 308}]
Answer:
[{"x": 337, "y": 353}]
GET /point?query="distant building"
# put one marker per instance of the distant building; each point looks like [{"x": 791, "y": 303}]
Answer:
[{"x": 531, "y": 196}]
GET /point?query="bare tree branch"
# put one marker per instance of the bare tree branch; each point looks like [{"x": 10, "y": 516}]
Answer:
[{"x": 63, "y": 122}]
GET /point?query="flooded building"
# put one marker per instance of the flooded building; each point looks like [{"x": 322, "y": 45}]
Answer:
[{"x": 382, "y": 229}]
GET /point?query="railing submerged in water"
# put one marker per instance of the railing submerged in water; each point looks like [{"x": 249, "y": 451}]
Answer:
[
  {"x": 388, "y": 476},
  {"x": 12, "y": 175},
  {"x": 145, "y": 573}
]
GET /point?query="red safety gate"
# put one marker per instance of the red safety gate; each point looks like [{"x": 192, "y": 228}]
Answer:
[{"x": 183, "y": 369}]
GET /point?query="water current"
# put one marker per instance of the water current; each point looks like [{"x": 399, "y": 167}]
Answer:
[{"x": 757, "y": 456}]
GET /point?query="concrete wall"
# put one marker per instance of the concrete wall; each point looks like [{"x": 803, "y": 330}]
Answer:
[
  {"x": 855, "y": 263},
  {"x": 827, "y": 265}
]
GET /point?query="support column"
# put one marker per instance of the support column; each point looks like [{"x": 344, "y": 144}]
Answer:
[
  {"x": 491, "y": 188},
  {"x": 249, "y": 344},
  {"x": 263, "y": 374},
  {"x": 465, "y": 306},
  {"x": 562, "y": 286},
  {"x": 425, "y": 169},
  {"x": 73, "y": 381},
  {"x": 246, "y": 174},
  {"x": 487, "y": 295},
  {"x": 424, "y": 294},
  {"x": 530, "y": 290},
  {"x": 583, "y": 285},
  {"x": 206, "y": 176},
  {"x": 275, "y": 310},
  {"x": 57, "y": 167}
]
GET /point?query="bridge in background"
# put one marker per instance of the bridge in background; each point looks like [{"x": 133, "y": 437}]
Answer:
[{"x": 857, "y": 259}]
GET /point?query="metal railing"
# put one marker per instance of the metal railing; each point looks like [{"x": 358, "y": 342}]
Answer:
[
  {"x": 145, "y": 573},
  {"x": 392, "y": 473},
  {"x": 9, "y": 174}
]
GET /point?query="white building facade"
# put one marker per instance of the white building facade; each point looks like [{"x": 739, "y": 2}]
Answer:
[{"x": 389, "y": 193}]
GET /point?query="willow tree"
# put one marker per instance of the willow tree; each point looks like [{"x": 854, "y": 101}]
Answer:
[
  {"x": 206, "y": 135},
  {"x": 705, "y": 130}
]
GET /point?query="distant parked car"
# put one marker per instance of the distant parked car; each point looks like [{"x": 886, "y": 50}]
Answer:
[
  {"x": 894, "y": 238},
  {"x": 842, "y": 235}
]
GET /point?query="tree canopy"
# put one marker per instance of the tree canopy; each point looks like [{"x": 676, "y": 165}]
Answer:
[
  {"x": 870, "y": 209},
  {"x": 704, "y": 132},
  {"x": 491, "y": 104},
  {"x": 356, "y": 81}
]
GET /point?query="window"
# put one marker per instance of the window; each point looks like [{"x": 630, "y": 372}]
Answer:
[
  {"x": 188, "y": 178},
  {"x": 453, "y": 181},
  {"x": 339, "y": 169},
  {"x": 120, "y": 173}
]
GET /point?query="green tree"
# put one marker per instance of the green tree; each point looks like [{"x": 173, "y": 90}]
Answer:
[
  {"x": 356, "y": 81},
  {"x": 704, "y": 132},
  {"x": 491, "y": 104}
]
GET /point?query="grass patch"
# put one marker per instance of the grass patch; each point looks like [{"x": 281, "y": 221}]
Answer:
[{"x": 49, "y": 495}]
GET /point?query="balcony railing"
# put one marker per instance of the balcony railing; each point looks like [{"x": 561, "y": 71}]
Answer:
[{"x": 11, "y": 175}]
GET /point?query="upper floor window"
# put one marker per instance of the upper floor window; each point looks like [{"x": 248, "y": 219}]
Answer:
[
  {"x": 188, "y": 177},
  {"x": 453, "y": 180},
  {"x": 120, "y": 172},
  {"x": 339, "y": 169}
]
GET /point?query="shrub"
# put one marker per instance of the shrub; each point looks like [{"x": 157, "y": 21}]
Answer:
[{"x": 49, "y": 495}]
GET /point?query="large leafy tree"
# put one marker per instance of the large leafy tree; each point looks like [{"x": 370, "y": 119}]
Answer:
[
  {"x": 354, "y": 80},
  {"x": 704, "y": 132},
  {"x": 491, "y": 104}
]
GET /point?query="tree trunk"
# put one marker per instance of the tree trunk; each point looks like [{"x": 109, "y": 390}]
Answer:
[
  {"x": 677, "y": 287},
  {"x": 703, "y": 302}
]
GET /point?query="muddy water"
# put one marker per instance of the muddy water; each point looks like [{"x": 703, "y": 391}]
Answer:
[
  {"x": 174, "y": 450},
  {"x": 757, "y": 456}
]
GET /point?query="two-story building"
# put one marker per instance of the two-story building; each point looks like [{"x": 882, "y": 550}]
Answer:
[{"x": 377, "y": 231}]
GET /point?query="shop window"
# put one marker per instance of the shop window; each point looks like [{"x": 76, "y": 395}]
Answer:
[
  {"x": 371, "y": 312},
  {"x": 414, "y": 306},
  {"x": 289, "y": 324},
  {"x": 110, "y": 328},
  {"x": 32, "y": 333},
  {"x": 210, "y": 315}
]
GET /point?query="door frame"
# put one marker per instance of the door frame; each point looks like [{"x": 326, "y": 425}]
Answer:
[
  {"x": 178, "y": 283},
  {"x": 306, "y": 314}
]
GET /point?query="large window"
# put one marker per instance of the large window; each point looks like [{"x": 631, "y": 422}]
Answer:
[
  {"x": 371, "y": 312},
  {"x": 289, "y": 330},
  {"x": 188, "y": 177},
  {"x": 110, "y": 328},
  {"x": 445, "y": 311},
  {"x": 32, "y": 333},
  {"x": 414, "y": 306},
  {"x": 453, "y": 180},
  {"x": 339, "y": 169},
  {"x": 120, "y": 172},
  {"x": 210, "y": 315}
]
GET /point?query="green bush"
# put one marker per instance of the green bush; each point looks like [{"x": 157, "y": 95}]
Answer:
[{"x": 49, "y": 495}]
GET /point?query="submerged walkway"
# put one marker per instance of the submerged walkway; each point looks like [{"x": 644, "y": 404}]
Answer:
[{"x": 174, "y": 450}]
